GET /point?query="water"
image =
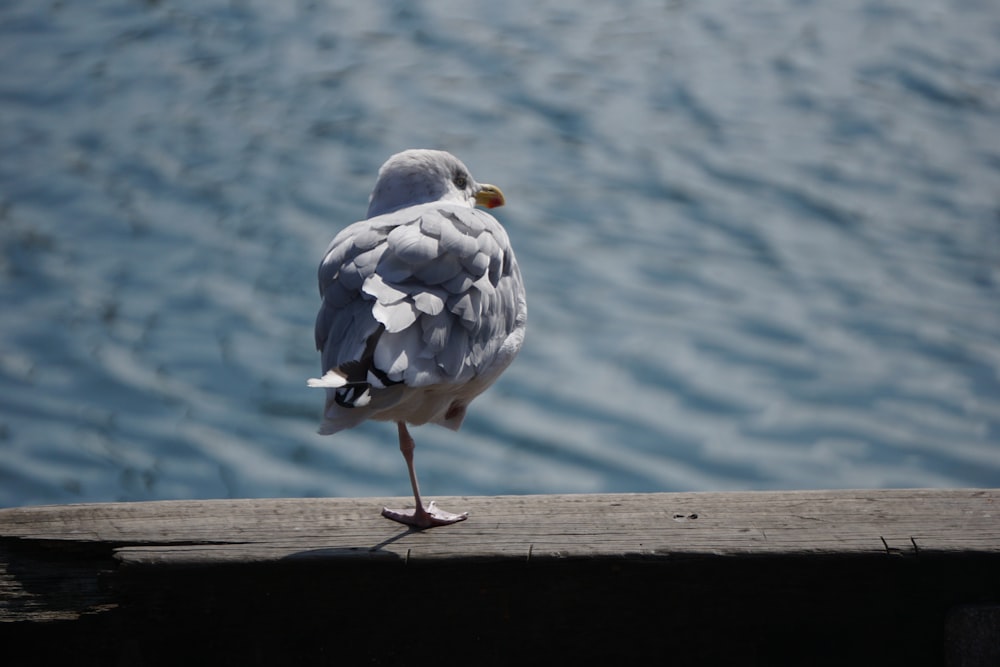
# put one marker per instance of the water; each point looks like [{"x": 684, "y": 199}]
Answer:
[{"x": 761, "y": 241}]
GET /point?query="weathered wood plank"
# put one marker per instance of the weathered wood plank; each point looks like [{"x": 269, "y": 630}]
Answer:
[
  {"x": 530, "y": 527},
  {"x": 818, "y": 577}
]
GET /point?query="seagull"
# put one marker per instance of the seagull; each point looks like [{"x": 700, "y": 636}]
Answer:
[{"x": 423, "y": 307}]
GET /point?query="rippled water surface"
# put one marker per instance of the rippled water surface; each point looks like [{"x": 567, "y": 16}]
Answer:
[{"x": 761, "y": 241}]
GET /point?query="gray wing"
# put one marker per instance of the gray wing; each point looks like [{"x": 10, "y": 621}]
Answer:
[{"x": 425, "y": 295}]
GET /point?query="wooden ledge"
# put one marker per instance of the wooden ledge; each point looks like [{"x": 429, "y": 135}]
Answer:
[
  {"x": 792, "y": 577},
  {"x": 647, "y": 526}
]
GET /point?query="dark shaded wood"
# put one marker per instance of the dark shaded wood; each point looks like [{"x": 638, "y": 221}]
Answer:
[{"x": 820, "y": 577}]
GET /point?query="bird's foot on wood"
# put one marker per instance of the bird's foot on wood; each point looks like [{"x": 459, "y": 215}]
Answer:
[{"x": 424, "y": 517}]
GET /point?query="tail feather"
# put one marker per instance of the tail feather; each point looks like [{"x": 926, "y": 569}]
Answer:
[{"x": 331, "y": 380}]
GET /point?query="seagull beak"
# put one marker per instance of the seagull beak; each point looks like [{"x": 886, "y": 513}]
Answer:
[{"x": 489, "y": 196}]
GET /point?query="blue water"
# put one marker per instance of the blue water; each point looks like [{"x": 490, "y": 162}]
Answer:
[{"x": 761, "y": 241}]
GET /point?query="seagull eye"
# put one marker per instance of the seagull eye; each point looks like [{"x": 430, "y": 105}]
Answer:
[{"x": 460, "y": 182}]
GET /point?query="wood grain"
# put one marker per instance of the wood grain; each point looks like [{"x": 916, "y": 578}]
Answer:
[{"x": 537, "y": 527}]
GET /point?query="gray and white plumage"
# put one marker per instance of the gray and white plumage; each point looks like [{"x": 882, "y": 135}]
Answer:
[{"x": 423, "y": 305}]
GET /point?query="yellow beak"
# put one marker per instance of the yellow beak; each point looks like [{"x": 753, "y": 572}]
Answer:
[{"x": 489, "y": 196}]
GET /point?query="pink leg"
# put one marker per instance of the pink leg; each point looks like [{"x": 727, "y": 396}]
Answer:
[{"x": 419, "y": 516}]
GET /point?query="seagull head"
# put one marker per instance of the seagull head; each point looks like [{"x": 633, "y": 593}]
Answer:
[{"x": 421, "y": 176}]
